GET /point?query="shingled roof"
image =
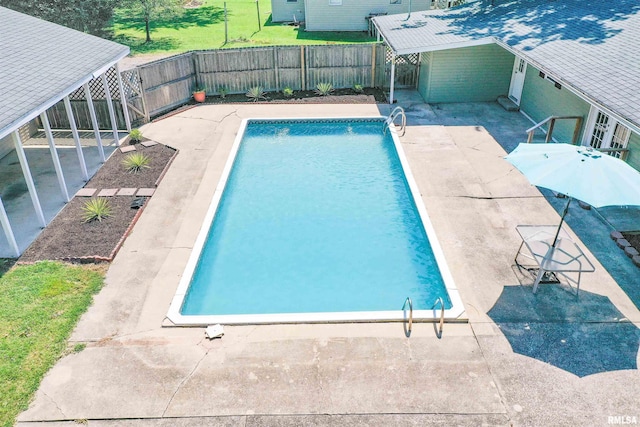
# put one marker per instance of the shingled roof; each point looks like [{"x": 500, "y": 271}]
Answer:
[
  {"x": 591, "y": 46},
  {"x": 42, "y": 62}
]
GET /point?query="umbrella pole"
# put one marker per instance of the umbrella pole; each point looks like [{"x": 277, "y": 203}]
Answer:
[{"x": 566, "y": 209}]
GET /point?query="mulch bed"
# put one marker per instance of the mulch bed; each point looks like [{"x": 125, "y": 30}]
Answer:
[
  {"x": 339, "y": 96},
  {"x": 69, "y": 238}
]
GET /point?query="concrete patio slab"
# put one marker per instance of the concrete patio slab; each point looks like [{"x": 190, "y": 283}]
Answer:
[{"x": 134, "y": 372}]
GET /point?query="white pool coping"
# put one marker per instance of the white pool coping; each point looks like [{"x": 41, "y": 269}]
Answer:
[{"x": 455, "y": 313}]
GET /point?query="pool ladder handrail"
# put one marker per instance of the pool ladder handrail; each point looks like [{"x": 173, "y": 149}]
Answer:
[
  {"x": 441, "y": 323},
  {"x": 398, "y": 111},
  {"x": 404, "y": 309}
]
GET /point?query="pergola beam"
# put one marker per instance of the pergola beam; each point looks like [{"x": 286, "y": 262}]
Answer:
[
  {"x": 31, "y": 186},
  {"x": 123, "y": 99},
  {"x": 112, "y": 114},
  {"x": 76, "y": 138},
  {"x": 94, "y": 121},
  {"x": 54, "y": 156},
  {"x": 8, "y": 231}
]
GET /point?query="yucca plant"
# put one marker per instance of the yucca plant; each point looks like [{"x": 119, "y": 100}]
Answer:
[
  {"x": 96, "y": 209},
  {"x": 358, "y": 88},
  {"x": 287, "y": 91},
  {"x": 135, "y": 135},
  {"x": 256, "y": 93},
  {"x": 135, "y": 162},
  {"x": 324, "y": 89}
]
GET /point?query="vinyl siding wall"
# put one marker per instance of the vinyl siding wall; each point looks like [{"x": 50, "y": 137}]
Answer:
[
  {"x": 350, "y": 16},
  {"x": 541, "y": 99},
  {"x": 634, "y": 151},
  {"x": 469, "y": 74},
  {"x": 284, "y": 11}
]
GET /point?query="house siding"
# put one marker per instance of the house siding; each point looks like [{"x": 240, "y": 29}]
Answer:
[
  {"x": 541, "y": 99},
  {"x": 633, "y": 157},
  {"x": 284, "y": 11},
  {"x": 470, "y": 74},
  {"x": 351, "y": 15}
]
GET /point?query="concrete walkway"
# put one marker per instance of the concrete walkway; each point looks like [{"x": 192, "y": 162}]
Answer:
[{"x": 548, "y": 359}]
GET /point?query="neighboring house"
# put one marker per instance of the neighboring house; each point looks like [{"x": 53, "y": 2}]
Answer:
[
  {"x": 42, "y": 64},
  {"x": 342, "y": 15},
  {"x": 551, "y": 58}
]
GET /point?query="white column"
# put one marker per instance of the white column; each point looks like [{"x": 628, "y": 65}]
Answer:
[
  {"x": 54, "y": 156},
  {"x": 8, "y": 231},
  {"x": 112, "y": 114},
  {"x": 123, "y": 99},
  {"x": 22, "y": 157},
  {"x": 94, "y": 121},
  {"x": 76, "y": 138},
  {"x": 393, "y": 77}
]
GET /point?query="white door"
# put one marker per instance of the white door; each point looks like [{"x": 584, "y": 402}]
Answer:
[{"x": 517, "y": 80}]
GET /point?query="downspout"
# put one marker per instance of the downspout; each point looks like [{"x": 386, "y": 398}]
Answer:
[{"x": 409, "y": 14}]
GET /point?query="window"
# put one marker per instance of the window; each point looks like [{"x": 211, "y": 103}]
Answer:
[
  {"x": 335, "y": 2},
  {"x": 292, "y": 1},
  {"x": 608, "y": 134}
]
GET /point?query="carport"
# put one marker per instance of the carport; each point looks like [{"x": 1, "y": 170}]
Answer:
[{"x": 43, "y": 67}]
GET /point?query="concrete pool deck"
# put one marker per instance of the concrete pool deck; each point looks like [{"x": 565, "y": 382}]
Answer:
[{"x": 135, "y": 372}]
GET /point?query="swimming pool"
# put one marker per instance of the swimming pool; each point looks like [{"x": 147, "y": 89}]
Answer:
[{"x": 314, "y": 220}]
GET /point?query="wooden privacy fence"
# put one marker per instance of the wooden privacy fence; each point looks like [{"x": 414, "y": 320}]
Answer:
[
  {"x": 169, "y": 82},
  {"x": 160, "y": 86}
]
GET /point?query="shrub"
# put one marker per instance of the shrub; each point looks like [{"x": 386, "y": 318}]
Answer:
[
  {"x": 287, "y": 91},
  {"x": 96, "y": 209},
  {"x": 223, "y": 91},
  {"x": 199, "y": 89},
  {"x": 135, "y": 162},
  {"x": 358, "y": 88},
  {"x": 135, "y": 135},
  {"x": 256, "y": 93},
  {"x": 324, "y": 89}
]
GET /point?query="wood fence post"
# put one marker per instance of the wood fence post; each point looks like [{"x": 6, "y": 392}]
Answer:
[
  {"x": 373, "y": 65},
  {"x": 275, "y": 67},
  {"x": 147, "y": 117},
  {"x": 302, "y": 71}
]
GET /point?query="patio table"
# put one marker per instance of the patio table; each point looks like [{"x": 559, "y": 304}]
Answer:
[{"x": 565, "y": 259}]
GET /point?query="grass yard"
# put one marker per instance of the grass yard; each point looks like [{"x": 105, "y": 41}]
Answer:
[
  {"x": 203, "y": 28},
  {"x": 41, "y": 304}
]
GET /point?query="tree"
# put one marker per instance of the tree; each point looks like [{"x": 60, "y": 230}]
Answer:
[
  {"x": 90, "y": 16},
  {"x": 152, "y": 10}
]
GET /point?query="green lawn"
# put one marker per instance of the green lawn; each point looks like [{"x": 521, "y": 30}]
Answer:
[
  {"x": 203, "y": 28},
  {"x": 41, "y": 304}
]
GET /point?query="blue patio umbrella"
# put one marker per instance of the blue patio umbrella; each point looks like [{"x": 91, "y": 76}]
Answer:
[{"x": 578, "y": 172}]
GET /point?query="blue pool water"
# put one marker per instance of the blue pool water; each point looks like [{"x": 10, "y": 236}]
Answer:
[{"x": 316, "y": 216}]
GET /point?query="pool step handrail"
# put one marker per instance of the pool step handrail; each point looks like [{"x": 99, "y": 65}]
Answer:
[
  {"x": 404, "y": 309},
  {"x": 441, "y": 323},
  {"x": 397, "y": 112}
]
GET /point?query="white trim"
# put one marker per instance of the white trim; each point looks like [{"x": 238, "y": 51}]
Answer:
[
  {"x": 22, "y": 157},
  {"x": 54, "y": 156},
  {"x": 517, "y": 85},
  {"x": 455, "y": 313},
  {"x": 393, "y": 78},
  {"x": 8, "y": 231},
  {"x": 76, "y": 138}
]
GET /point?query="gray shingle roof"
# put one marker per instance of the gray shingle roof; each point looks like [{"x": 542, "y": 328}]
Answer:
[
  {"x": 592, "y": 46},
  {"x": 41, "y": 62}
]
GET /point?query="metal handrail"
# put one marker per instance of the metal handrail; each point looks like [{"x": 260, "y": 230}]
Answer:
[
  {"x": 404, "y": 306},
  {"x": 441, "y": 301},
  {"x": 552, "y": 120},
  {"x": 398, "y": 111},
  {"x": 624, "y": 152}
]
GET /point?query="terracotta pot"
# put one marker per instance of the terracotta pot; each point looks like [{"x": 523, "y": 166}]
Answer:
[{"x": 199, "y": 96}]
